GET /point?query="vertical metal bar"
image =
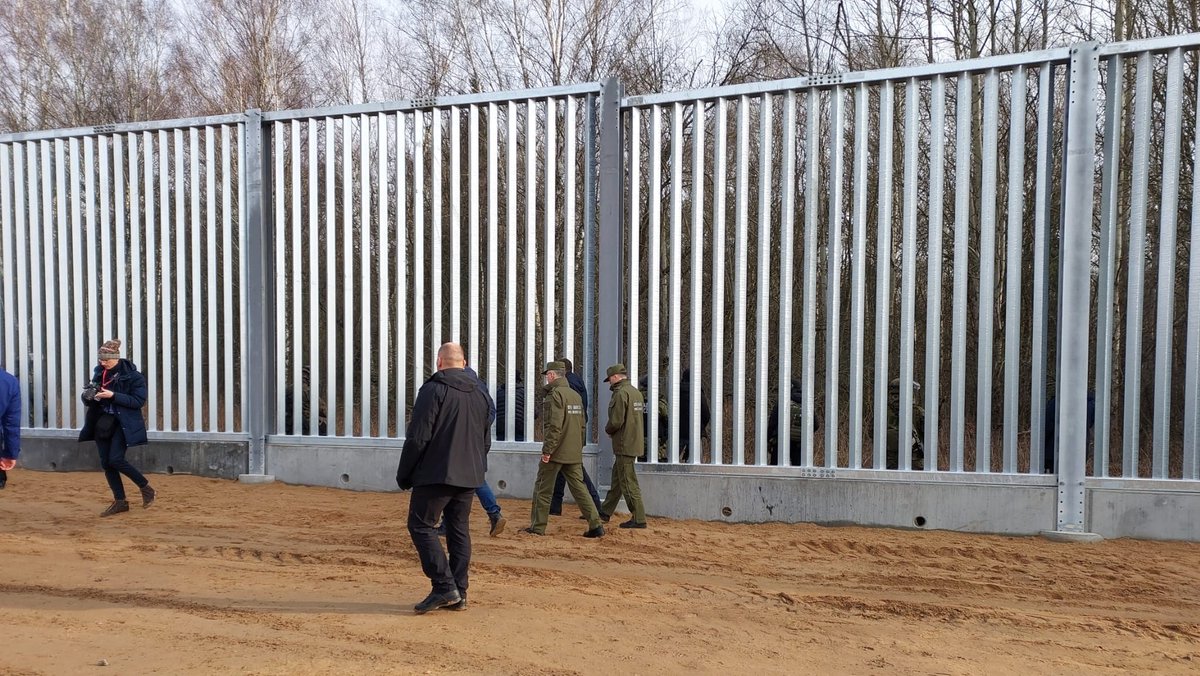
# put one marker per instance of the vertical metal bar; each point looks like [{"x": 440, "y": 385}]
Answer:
[
  {"x": 787, "y": 249},
  {"x": 20, "y": 365},
  {"x": 227, "y": 279},
  {"x": 437, "y": 279},
  {"x": 697, "y": 308},
  {"x": 211, "y": 390},
  {"x": 93, "y": 314},
  {"x": 653, "y": 281},
  {"x": 1137, "y": 266},
  {"x": 763, "y": 317},
  {"x": 7, "y": 246},
  {"x": 122, "y": 265},
  {"x": 473, "y": 237},
  {"x": 883, "y": 275},
  {"x": 833, "y": 302},
  {"x": 167, "y": 275},
  {"x": 1078, "y": 183},
  {"x": 49, "y": 348},
  {"x": 385, "y": 282},
  {"x": 634, "y": 252},
  {"x": 280, "y": 296},
  {"x": 243, "y": 143},
  {"x": 510, "y": 293},
  {"x": 987, "y": 272},
  {"x": 455, "y": 226},
  {"x": 255, "y": 173},
  {"x": 331, "y": 300},
  {"x": 1191, "y": 402},
  {"x": 197, "y": 350},
  {"x": 1012, "y": 296},
  {"x": 609, "y": 235},
  {"x": 295, "y": 337},
  {"x": 1109, "y": 208},
  {"x": 739, "y": 294},
  {"x": 908, "y": 273},
  {"x": 181, "y": 273},
  {"x": 152, "y": 269},
  {"x": 568, "y": 301},
  {"x": 808, "y": 347},
  {"x": 530, "y": 261},
  {"x": 402, "y": 273},
  {"x": 493, "y": 236},
  {"x": 37, "y": 279},
  {"x": 1041, "y": 270},
  {"x": 858, "y": 275},
  {"x": 1169, "y": 213},
  {"x": 69, "y": 373},
  {"x": 675, "y": 280},
  {"x": 105, "y": 270},
  {"x": 314, "y": 275},
  {"x": 548, "y": 206},
  {"x": 346, "y": 367},
  {"x": 365, "y": 264},
  {"x": 590, "y": 347},
  {"x": 962, "y": 228}
]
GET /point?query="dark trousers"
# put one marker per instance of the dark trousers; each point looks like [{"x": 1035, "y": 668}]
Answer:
[
  {"x": 560, "y": 487},
  {"x": 427, "y": 506},
  {"x": 112, "y": 460}
]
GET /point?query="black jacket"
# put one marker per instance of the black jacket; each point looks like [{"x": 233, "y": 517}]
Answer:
[
  {"x": 576, "y": 384},
  {"x": 449, "y": 433},
  {"x": 129, "y": 388}
]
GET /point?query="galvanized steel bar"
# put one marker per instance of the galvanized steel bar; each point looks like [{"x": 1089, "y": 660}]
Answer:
[
  {"x": 279, "y": 139},
  {"x": 365, "y": 264},
  {"x": 55, "y": 251},
  {"x": 634, "y": 230},
  {"x": 1139, "y": 196},
  {"x": 227, "y": 280},
  {"x": 696, "y": 309},
  {"x": 762, "y": 316},
  {"x": 195, "y": 268},
  {"x": 934, "y": 247},
  {"x": 1041, "y": 213},
  {"x": 295, "y": 336},
  {"x": 493, "y": 237},
  {"x": 808, "y": 348},
  {"x": 883, "y": 274},
  {"x": 419, "y": 300},
  {"x": 245, "y": 140},
  {"x": 530, "y": 261},
  {"x": 510, "y": 278},
  {"x": 739, "y": 294},
  {"x": 1169, "y": 214},
  {"x": 313, "y": 184},
  {"x": 455, "y": 226},
  {"x": 608, "y": 234},
  {"x": 437, "y": 232},
  {"x": 152, "y": 271},
  {"x": 1109, "y": 208},
  {"x": 720, "y": 184},
  {"x": 473, "y": 238},
  {"x": 908, "y": 274},
  {"x": 105, "y": 270},
  {"x": 987, "y": 272},
  {"x": 833, "y": 299},
  {"x": 122, "y": 260},
  {"x": 858, "y": 274},
  {"x": 211, "y": 389},
  {"x": 259, "y": 237},
  {"x": 962, "y": 228},
  {"x": 93, "y": 312},
  {"x": 675, "y": 281},
  {"x": 591, "y": 349},
  {"x": 653, "y": 282},
  {"x": 402, "y": 275},
  {"x": 20, "y": 365},
  {"x": 568, "y": 301},
  {"x": 330, "y": 277},
  {"x": 1012, "y": 295},
  {"x": 1191, "y": 402},
  {"x": 549, "y": 252},
  {"x": 7, "y": 246},
  {"x": 385, "y": 241},
  {"x": 787, "y": 248},
  {"x": 347, "y": 330},
  {"x": 181, "y": 273},
  {"x": 165, "y": 271},
  {"x": 37, "y": 279},
  {"x": 1076, "y": 257}
]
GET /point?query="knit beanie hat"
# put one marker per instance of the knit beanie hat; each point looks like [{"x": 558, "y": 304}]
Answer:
[{"x": 111, "y": 349}]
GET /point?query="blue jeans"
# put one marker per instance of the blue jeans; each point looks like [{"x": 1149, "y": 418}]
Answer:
[{"x": 487, "y": 499}]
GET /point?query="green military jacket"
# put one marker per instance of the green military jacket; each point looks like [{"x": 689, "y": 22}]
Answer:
[
  {"x": 562, "y": 416},
  {"x": 626, "y": 420}
]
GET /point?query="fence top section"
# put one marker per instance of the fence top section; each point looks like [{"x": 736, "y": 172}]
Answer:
[
  {"x": 1166, "y": 43},
  {"x": 124, "y": 128}
]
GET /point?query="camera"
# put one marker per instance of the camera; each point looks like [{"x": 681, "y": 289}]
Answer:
[{"x": 89, "y": 391}]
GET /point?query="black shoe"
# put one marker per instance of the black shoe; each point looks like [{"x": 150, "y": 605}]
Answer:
[
  {"x": 497, "y": 521},
  {"x": 554, "y": 513},
  {"x": 597, "y": 532},
  {"x": 531, "y": 531},
  {"x": 461, "y": 605},
  {"x": 148, "y": 494},
  {"x": 437, "y": 600},
  {"x": 632, "y": 524},
  {"x": 116, "y": 507},
  {"x": 603, "y": 517}
]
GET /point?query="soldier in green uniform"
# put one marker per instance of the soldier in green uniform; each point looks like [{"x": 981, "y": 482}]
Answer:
[
  {"x": 625, "y": 422},
  {"x": 562, "y": 451},
  {"x": 918, "y": 428}
]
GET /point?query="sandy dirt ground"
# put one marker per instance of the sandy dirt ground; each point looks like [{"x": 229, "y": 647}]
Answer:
[{"x": 219, "y": 577}]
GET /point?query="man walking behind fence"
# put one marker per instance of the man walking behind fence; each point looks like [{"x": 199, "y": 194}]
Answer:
[
  {"x": 625, "y": 421},
  {"x": 444, "y": 461}
]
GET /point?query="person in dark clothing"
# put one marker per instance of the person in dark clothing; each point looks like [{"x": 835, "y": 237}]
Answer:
[
  {"x": 305, "y": 409},
  {"x": 114, "y": 398},
  {"x": 1050, "y": 457},
  {"x": 10, "y": 424},
  {"x": 444, "y": 461},
  {"x": 685, "y": 420},
  {"x": 795, "y": 428},
  {"x": 664, "y": 429},
  {"x": 560, "y": 484},
  {"x": 518, "y": 410}
]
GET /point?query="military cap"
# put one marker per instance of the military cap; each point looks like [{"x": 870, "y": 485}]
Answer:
[
  {"x": 554, "y": 366},
  {"x": 614, "y": 370}
]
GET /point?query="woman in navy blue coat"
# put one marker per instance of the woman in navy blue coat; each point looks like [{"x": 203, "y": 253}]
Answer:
[{"x": 114, "y": 398}]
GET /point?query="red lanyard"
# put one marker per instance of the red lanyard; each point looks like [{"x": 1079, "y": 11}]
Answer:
[{"x": 105, "y": 379}]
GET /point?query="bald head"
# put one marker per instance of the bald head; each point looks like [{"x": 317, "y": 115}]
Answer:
[{"x": 450, "y": 356}]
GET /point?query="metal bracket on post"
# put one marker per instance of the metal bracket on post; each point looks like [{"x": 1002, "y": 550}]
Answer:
[
  {"x": 1075, "y": 261},
  {"x": 260, "y": 297},
  {"x": 611, "y": 258}
]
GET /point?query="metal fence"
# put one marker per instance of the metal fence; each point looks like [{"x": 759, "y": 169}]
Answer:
[{"x": 981, "y": 228}]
